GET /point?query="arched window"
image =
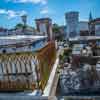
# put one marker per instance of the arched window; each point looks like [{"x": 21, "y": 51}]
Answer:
[{"x": 4, "y": 51}]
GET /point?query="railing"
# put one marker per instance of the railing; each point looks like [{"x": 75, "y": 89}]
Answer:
[
  {"x": 46, "y": 58},
  {"x": 26, "y": 71}
]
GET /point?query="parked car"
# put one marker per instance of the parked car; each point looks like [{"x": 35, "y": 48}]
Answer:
[
  {"x": 98, "y": 65},
  {"x": 66, "y": 45},
  {"x": 98, "y": 68},
  {"x": 89, "y": 51}
]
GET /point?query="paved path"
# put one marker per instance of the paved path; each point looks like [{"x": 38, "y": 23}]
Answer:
[{"x": 20, "y": 96}]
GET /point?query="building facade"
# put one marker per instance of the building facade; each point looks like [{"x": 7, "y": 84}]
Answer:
[
  {"x": 44, "y": 26},
  {"x": 3, "y": 31},
  {"x": 83, "y": 28},
  {"x": 95, "y": 26},
  {"x": 72, "y": 20}
]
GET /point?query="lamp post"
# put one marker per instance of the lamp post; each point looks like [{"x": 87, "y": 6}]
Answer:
[{"x": 24, "y": 20}]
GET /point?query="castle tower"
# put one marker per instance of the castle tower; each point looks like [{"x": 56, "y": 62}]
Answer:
[{"x": 91, "y": 25}]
